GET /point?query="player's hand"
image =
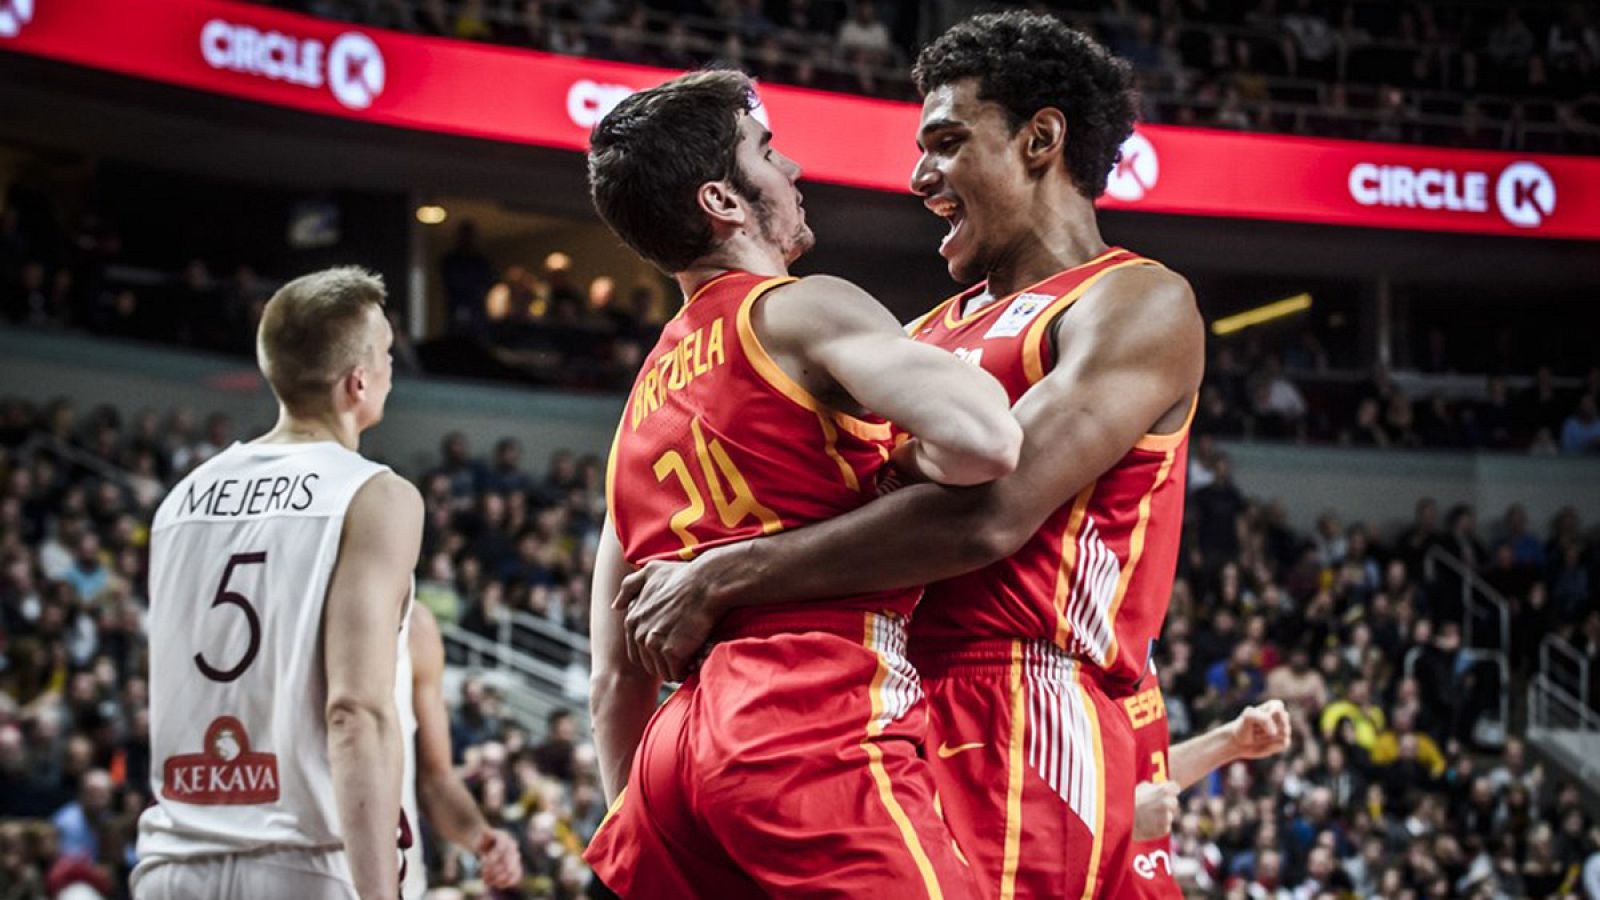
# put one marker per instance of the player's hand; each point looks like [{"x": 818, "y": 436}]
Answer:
[
  {"x": 497, "y": 854},
  {"x": 1262, "y": 730},
  {"x": 1155, "y": 808},
  {"x": 670, "y": 615}
]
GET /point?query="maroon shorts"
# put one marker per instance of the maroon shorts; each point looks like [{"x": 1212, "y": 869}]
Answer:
[{"x": 790, "y": 765}]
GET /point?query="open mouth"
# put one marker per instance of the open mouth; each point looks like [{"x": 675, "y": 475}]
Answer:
[{"x": 951, "y": 211}]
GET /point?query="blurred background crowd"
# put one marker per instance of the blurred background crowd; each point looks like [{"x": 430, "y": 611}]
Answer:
[{"x": 1391, "y": 786}]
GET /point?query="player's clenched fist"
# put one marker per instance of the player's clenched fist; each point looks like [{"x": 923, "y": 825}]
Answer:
[
  {"x": 1261, "y": 731},
  {"x": 497, "y": 852},
  {"x": 1155, "y": 808}
]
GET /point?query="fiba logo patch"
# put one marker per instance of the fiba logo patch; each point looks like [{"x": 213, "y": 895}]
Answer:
[
  {"x": 1526, "y": 194},
  {"x": 13, "y": 15},
  {"x": 1136, "y": 173},
  {"x": 355, "y": 70}
]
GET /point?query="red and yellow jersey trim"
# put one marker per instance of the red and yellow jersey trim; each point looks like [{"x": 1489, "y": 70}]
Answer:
[
  {"x": 773, "y": 374},
  {"x": 1038, "y": 336}
]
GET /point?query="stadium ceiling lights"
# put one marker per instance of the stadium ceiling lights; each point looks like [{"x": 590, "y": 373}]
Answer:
[
  {"x": 1261, "y": 314},
  {"x": 432, "y": 214}
]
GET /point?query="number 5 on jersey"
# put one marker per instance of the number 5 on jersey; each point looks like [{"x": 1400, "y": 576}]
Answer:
[
  {"x": 730, "y": 493},
  {"x": 233, "y": 598}
]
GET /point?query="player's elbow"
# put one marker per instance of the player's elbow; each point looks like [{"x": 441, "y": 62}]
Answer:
[
  {"x": 987, "y": 532},
  {"x": 350, "y": 716},
  {"x": 983, "y": 452}
]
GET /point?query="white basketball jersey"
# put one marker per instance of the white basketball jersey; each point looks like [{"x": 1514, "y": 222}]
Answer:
[{"x": 241, "y": 554}]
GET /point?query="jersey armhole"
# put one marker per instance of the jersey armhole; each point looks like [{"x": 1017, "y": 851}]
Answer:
[
  {"x": 1034, "y": 344},
  {"x": 773, "y": 374}
]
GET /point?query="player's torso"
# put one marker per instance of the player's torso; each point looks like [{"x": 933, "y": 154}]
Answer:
[
  {"x": 241, "y": 555},
  {"x": 717, "y": 444},
  {"x": 1095, "y": 578}
]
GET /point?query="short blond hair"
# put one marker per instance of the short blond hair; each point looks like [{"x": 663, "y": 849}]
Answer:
[{"x": 313, "y": 332}]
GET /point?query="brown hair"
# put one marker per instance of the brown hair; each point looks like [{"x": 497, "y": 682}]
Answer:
[
  {"x": 313, "y": 331},
  {"x": 649, "y": 156}
]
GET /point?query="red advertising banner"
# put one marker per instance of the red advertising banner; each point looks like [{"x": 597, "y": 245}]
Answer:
[{"x": 483, "y": 91}]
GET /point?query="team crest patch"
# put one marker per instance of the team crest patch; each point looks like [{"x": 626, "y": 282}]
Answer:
[
  {"x": 225, "y": 773},
  {"x": 1023, "y": 309}
]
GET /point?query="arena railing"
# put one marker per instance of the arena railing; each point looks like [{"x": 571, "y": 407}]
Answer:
[
  {"x": 1562, "y": 665},
  {"x": 1564, "y": 728},
  {"x": 1479, "y": 599}
]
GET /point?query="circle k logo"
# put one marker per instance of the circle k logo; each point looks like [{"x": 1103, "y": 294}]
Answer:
[
  {"x": 355, "y": 70},
  {"x": 590, "y": 101},
  {"x": 13, "y": 15},
  {"x": 1136, "y": 172},
  {"x": 1526, "y": 194}
]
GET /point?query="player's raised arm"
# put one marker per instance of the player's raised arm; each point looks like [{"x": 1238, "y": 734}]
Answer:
[
  {"x": 622, "y": 696},
  {"x": 367, "y": 595},
  {"x": 959, "y": 414},
  {"x": 444, "y": 799}
]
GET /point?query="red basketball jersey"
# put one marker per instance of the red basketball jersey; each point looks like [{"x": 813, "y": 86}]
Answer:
[
  {"x": 1095, "y": 579},
  {"x": 718, "y": 444}
]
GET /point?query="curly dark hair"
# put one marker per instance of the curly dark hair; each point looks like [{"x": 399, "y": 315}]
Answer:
[
  {"x": 1026, "y": 62},
  {"x": 649, "y": 156}
]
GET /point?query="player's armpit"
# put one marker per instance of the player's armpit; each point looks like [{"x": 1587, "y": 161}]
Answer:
[
  {"x": 366, "y": 598},
  {"x": 959, "y": 412},
  {"x": 622, "y": 694}
]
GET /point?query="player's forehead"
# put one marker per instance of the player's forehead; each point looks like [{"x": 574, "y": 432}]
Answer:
[
  {"x": 752, "y": 132},
  {"x": 955, "y": 104}
]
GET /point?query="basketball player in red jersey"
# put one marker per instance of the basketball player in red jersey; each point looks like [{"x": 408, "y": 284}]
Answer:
[
  {"x": 1102, "y": 352},
  {"x": 791, "y": 764},
  {"x": 1163, "y": 773}
]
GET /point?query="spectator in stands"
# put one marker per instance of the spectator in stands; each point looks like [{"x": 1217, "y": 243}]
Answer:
[
  {"x": 80, "y": 822},
  {"x": 555, "y": 757},
  {"x": 1580, "y": 434},
  {"x": 864, "y": 35}
]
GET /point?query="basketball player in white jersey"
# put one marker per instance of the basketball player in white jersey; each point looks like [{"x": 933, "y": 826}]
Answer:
[
  {"x": 280, "y": 586},
  {"x": 450, "y": 809}
]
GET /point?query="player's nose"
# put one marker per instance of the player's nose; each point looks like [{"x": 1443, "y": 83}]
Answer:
[{"x": 924, "y": 177}]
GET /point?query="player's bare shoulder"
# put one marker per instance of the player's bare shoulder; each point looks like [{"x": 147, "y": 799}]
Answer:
[
  {"x": 386, "y": 494},
  {"x": 1142, "y": 312}
]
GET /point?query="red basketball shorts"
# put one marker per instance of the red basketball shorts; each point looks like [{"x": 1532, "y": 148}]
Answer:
[
  {"x": 1150, "y": 871},
  {"x": 1031, "y": 762},
  {"x": 789, "y": 766}
]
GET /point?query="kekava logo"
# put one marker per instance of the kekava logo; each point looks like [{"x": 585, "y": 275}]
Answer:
[{"x": 225, "y": 773}]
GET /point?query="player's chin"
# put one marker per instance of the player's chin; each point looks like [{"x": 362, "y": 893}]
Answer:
[{"x": 963, "y": 267}]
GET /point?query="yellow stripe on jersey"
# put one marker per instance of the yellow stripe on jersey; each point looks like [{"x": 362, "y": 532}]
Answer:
[
  {"x": 1162, "y": 442},
  {"x": 830, "y": 441},
  {"x": 1135, "y": 552},
  {"x": 880, "y": 774},
  {"x": 1091, "y": 879},
  {"x": 1019, "y": 719},
  {"x": 774, "y": 375},
  {"x": 1033, "y": 344}
]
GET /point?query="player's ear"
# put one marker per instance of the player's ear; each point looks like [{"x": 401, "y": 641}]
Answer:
[
  {"x": 1046, "y": 138},
  {"x": 718, "y": 200},
  {"x": 355, "y": 384}
]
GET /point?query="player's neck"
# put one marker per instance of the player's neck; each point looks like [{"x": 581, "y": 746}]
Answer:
[
  {"x": 297, "y": 429},
  {"x": 738, "y": 253},
  {"x": 1064, "y": 234}
]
